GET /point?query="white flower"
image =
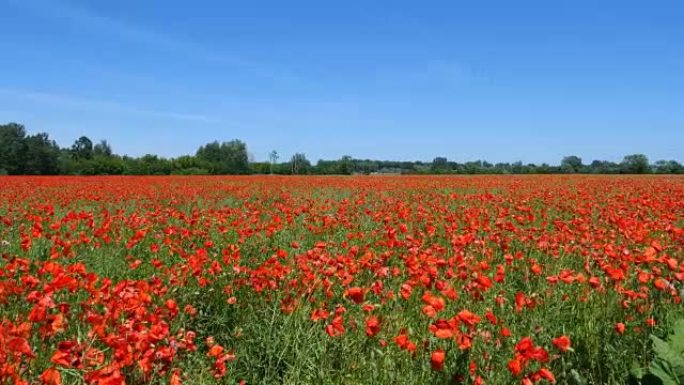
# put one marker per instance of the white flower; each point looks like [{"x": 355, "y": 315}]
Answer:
[{"x": 4, "y": 243}]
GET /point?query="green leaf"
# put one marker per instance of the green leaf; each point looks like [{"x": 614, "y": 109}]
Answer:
[
  {"x": 637, "y": 373},
  {"x": 576, "y": 378},
  {"x": 667, "y": 354},
  {"x": 650, "y": 379},
  {"x": 661, "y": 373},
  {"x": 677, "y": 339}
]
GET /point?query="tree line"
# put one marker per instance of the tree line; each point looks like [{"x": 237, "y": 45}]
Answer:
[{"x": 23, "y": 154}]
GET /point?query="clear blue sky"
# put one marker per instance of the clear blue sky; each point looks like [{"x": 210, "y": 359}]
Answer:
[{"x": 496, "y": 80}]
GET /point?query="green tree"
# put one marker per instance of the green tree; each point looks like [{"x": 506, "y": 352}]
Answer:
[
  {"x": 189, "y": 165},
  {"x": 440, "y": 164},
  {"x": 102, "y": 149},
  {"x": 12, "y": 148},
  {"x": 299, "y": 164},
  {"x": 346, "y": 166},
  {"x": 604, "y": 167},
  {"x": 473, "y": 167},
  {"x": 668, "y": 167},
  {"x": 273, "y": 159},
  {"x": 225, "y": 158},
  {"x": 149, "y": 164},
  {"x": 41, "y": 155},
  {"x": 635, "y": 164},
  {"x": 571, "y": 164},
  {"x": 517, "y": 167},
  {"x": 108, "y": 165},
  {"x": 236, "y": 160},
  {"x": 82, "y": 148},
  {"x": 259, "y": 167}
]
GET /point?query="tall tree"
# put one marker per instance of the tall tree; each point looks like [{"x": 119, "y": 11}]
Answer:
[
  {"x": 82, "y": 148},
  {"x": 440, "y": 164},
  {"x": 210, "y": 152},
  {"x": 273, "y": 159},
  {"x": 225, "y": 158},
  {"x": 571, "y": 164},
  {"x": 41, "y": 156},
  {"x": 346, "y": 165},
  {"x": 102, "y": 149},
  {"x": 236, "y": 160},
  {"x": 299, "y": 164},
  {"x": 12, "y": 148},
  {"x": 635, "y": 164}
]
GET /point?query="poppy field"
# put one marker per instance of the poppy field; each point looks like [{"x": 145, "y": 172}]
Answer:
[{"x": 337, "y": 280}]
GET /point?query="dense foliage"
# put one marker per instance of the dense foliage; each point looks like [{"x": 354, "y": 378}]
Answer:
[
  {"x": 667, "y": 366},
  {"x": 21, "y": 154},
  {"x": 338, "y": 280}
]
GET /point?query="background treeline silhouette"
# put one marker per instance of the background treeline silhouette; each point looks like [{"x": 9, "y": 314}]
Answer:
[{"x": 23, "y": 154}]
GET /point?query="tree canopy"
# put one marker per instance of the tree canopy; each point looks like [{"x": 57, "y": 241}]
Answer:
[
  {"x": 39, "y": 155},
  {"x": 224, "y": 158}
]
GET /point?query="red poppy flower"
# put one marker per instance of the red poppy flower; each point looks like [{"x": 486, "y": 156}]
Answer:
[
  {"x": 562, "y": 343},
  {"x": 372, "y": 326},
  {"x": 437, "y": 359},
  {"x": 355, "y": 294},
  {"x": 51, "y": 376}
]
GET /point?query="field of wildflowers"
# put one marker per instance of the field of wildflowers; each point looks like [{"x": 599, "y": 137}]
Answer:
[{"x": 336, "y": 280}]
